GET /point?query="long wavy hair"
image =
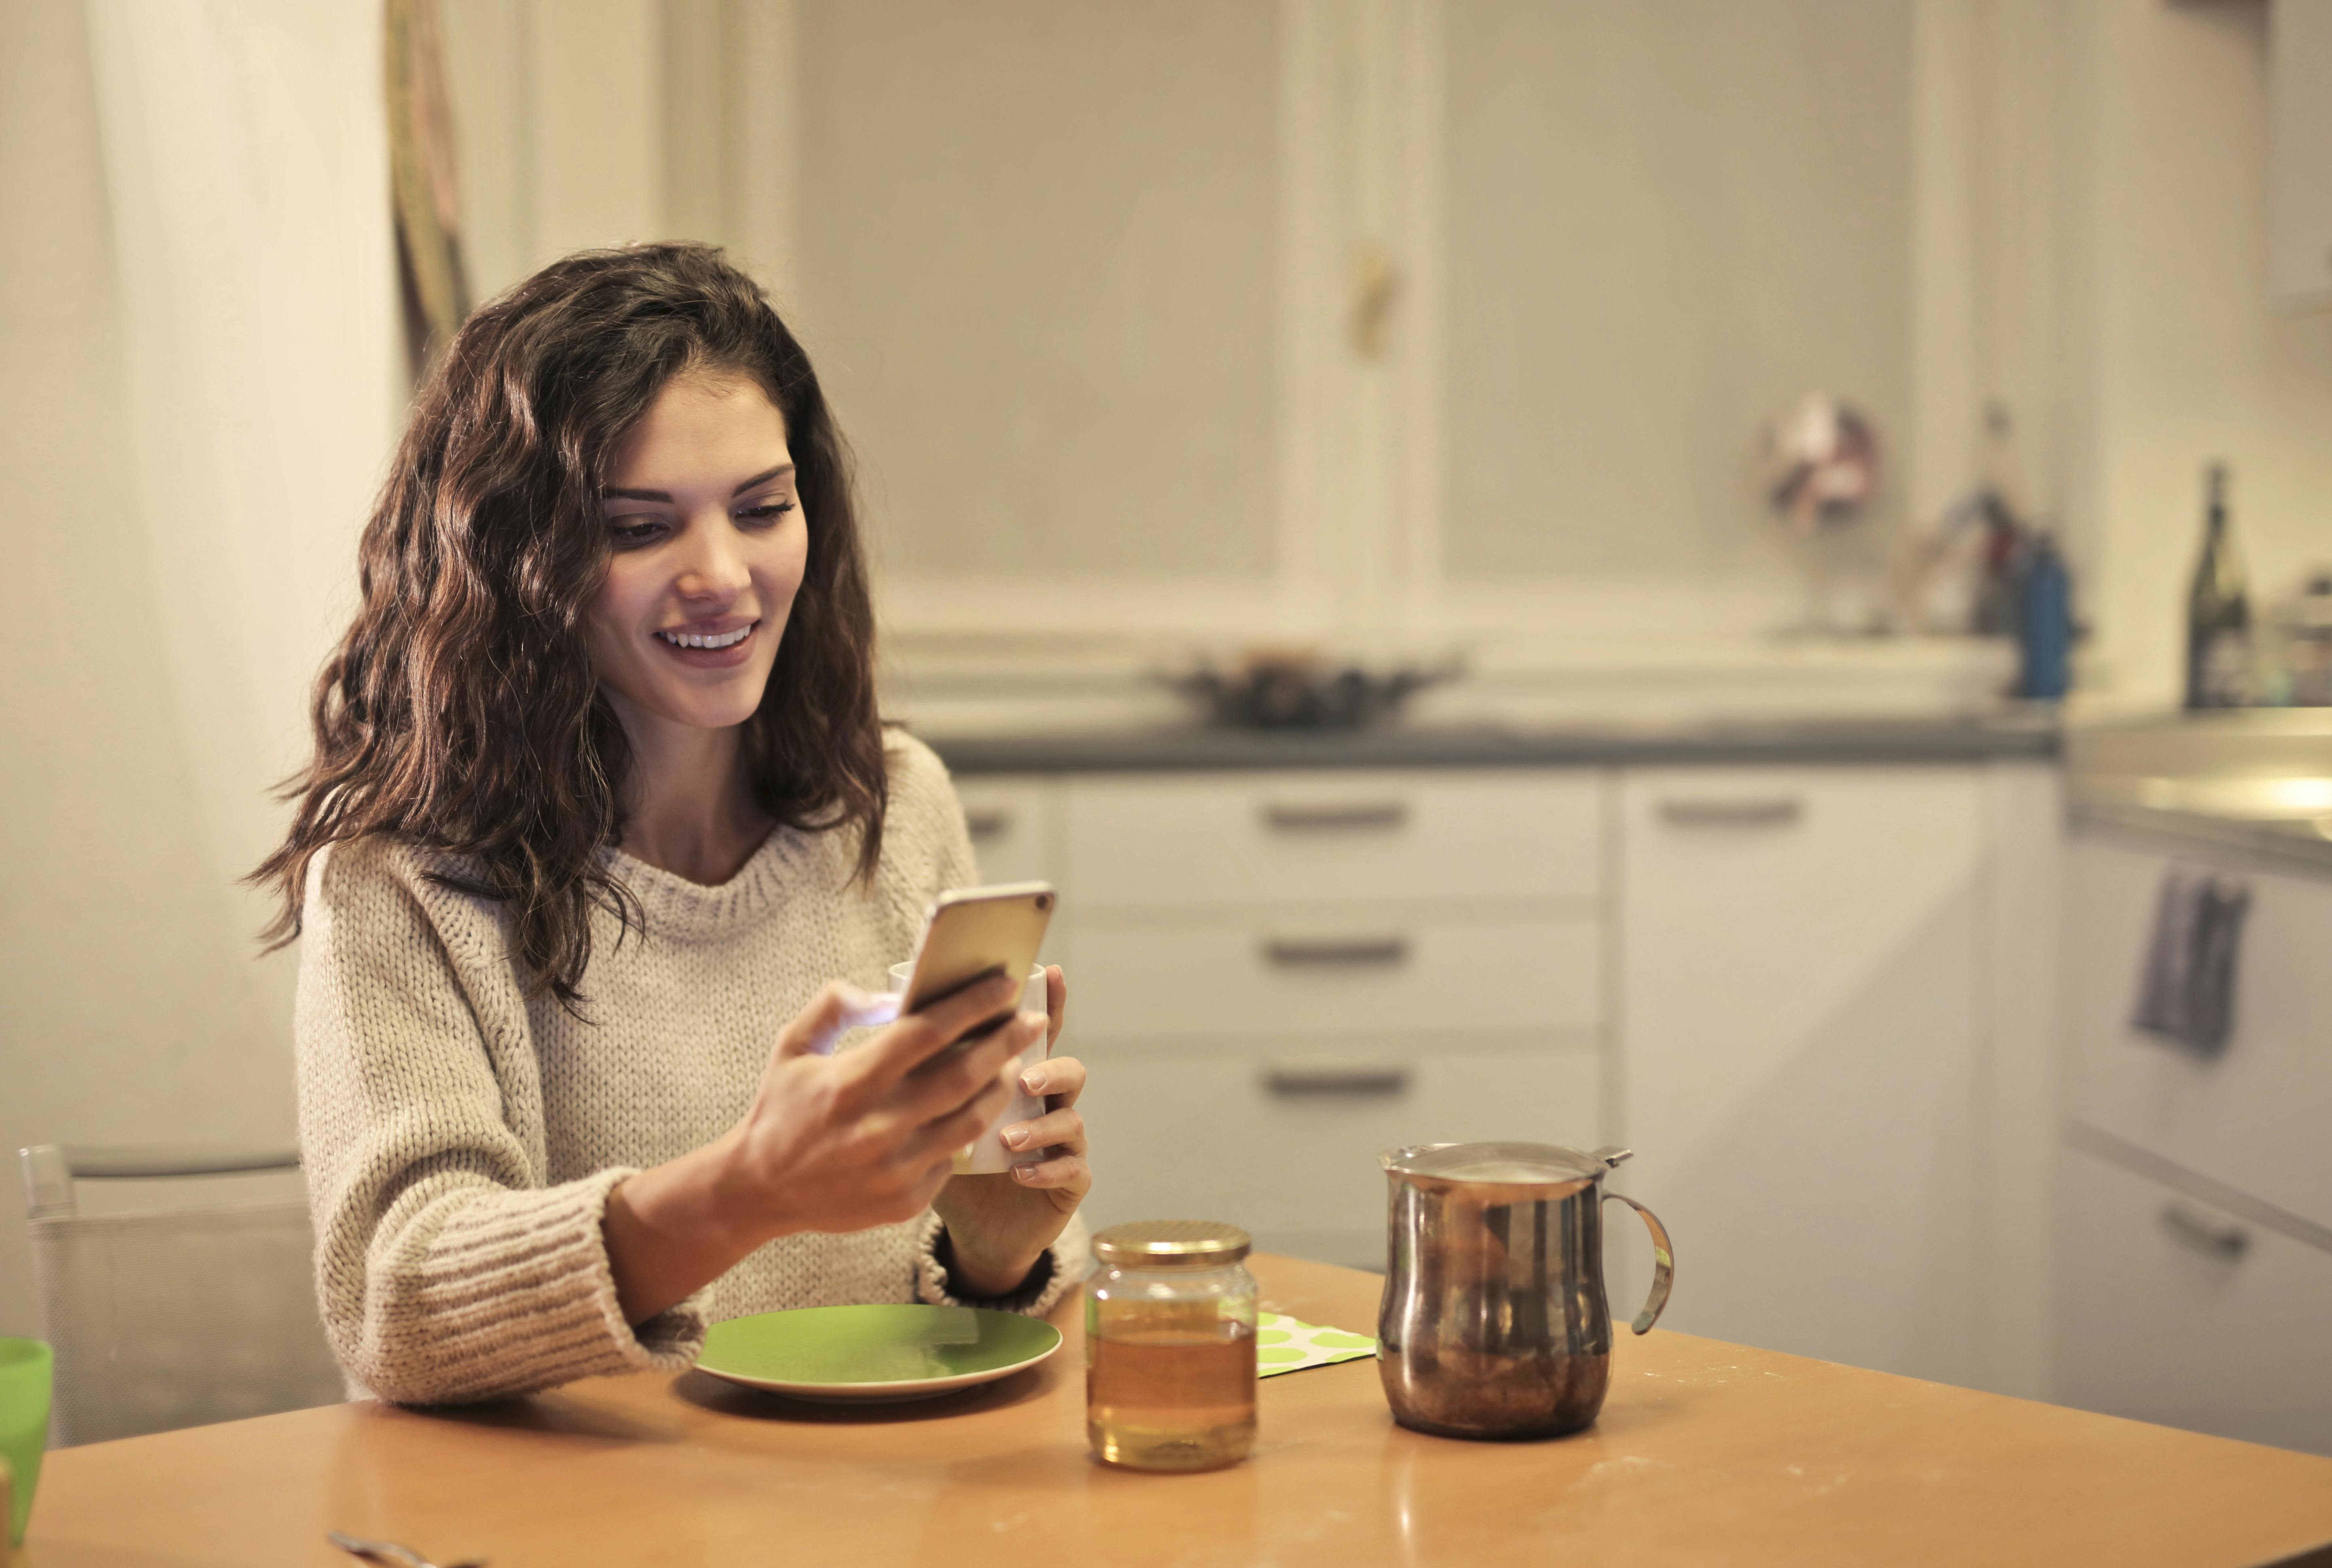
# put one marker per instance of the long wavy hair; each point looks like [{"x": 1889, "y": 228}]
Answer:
[{"x": 461, "y": 712}]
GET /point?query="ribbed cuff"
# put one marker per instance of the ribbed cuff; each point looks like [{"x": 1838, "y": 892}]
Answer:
[
  {"x": 1061, "y": 1266},
  {"x": 515, "y": 1293}
]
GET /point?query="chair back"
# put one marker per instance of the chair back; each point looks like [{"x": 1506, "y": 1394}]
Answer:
[{"x": 178, "y": 1317}]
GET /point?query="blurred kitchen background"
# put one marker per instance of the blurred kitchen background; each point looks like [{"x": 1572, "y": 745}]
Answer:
[{"x": 1677, "y": 393}]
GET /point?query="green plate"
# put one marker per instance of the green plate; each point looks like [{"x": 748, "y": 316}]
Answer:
[{"x": 859, "y": 1353}]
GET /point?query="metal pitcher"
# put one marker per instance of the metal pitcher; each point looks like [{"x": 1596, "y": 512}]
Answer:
[{"x": 1495, "y": 1323}]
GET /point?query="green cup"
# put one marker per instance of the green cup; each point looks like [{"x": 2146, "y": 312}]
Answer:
[{"x": 25, "y": 1369}]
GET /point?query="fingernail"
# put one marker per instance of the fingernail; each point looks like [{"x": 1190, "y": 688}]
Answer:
[
  {"x": 1024, "y": 1172},
  {"x": 1015, "y": 1136},
  {"x": 1032, "y": 1083}
]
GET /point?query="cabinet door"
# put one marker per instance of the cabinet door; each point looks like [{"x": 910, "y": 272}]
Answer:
[
  {"x": 1799, "y": 996},
  {"x": 2299, "y": 155},
  {"x": 1012, "y": 822},
  {"x": 2254, "y": 1117},
  {"x": 1250, "y": 973},
  {"x": 2172, "y": 1311},
  {"x": 1332, "y": 836},
  {"x": 1287, "y": 1146}
]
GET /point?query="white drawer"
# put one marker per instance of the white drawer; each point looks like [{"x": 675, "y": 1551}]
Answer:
[
  {"x": 1189, "y": 839},
  {"x": 2156, "y": 1322},
  {"x": 2256, "y": 1118},
  {"x": 1211, "y": 1137},
  {"x": 1258, "y": 974},
  {"x": 1014, "y": 823}
]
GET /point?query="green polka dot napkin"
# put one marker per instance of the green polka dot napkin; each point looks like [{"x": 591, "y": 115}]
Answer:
[{"x": 1283, "y": 1345}]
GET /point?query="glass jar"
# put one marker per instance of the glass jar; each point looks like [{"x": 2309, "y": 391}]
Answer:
[{"x": 1170, "y": 1346}]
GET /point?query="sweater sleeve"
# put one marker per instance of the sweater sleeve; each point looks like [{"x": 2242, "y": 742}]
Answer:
[
  {"x": 447, "y": 1269},
  {"x": 1065, "y": 1264}
]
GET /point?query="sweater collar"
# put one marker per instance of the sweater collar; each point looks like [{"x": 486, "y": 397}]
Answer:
[{"x": 677, "y": 907}]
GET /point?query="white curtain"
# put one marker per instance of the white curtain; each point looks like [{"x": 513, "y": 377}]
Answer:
[{"x": 247, "y": 170}]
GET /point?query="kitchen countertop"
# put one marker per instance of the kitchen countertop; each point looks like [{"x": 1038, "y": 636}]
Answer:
[
  {"x": 2257, "y": 782},
  {"x": 1706, "y": 1452},
  {"x": 1196, "y": 747}
]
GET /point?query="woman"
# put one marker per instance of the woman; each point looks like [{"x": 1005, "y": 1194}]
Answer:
[{"x": 601, "y": 823}]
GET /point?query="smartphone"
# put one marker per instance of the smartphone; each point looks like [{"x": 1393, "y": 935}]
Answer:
[{"x": 973, "y": 932}]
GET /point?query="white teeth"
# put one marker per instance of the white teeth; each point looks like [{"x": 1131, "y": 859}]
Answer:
[{"x": 722, "y": 640}]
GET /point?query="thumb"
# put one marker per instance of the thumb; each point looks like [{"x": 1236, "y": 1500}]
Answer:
[{"x": 837, "y": 1010}]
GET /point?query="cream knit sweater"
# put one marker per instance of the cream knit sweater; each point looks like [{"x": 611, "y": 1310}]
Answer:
[{"x": 459, "y": 1140}]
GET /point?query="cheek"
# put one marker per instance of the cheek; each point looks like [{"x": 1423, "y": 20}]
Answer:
[
  {"x": 788, "y": 561},
  {"x": 609, "y": 617}
]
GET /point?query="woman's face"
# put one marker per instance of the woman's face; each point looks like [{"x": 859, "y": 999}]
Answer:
[{"x": 707, "y": 543}]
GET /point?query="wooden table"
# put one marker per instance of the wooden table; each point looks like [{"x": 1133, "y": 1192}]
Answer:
[{"x": 1707, "y": 1453}]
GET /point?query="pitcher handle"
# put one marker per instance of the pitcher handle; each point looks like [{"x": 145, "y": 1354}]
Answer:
[{"x": 1663, "y": 1265}]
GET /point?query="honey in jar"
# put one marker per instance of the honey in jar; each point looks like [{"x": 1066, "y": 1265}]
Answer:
[{"x": 1170, "y": 1346}]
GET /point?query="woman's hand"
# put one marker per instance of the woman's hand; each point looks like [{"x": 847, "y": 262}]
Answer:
[
  {"x": 999, "y": 1226},
  {"x": 831, "y": 1144}
]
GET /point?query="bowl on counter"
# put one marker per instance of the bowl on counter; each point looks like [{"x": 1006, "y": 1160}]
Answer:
[{"x": 1300, "y": 689}]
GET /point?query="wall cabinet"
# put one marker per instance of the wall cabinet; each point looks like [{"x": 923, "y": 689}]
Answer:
[{"x": 2299, "y": 154}]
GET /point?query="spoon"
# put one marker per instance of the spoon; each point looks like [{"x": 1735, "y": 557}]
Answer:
[{"x": 389, "y": 1552}]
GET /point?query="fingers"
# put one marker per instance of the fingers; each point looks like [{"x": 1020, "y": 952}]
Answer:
[
  {"x": 1063, "y": 1130},
  {"x": 943, "y": 1135},
  {"x": 1056, "y": 1004},
  {"x": 1069, "y": 1170},
  {"x": 913, "y": 1040},
  {"x": 941, "y": 1087},
  {"x": 838, "y": 1007},
  {"x": 1059, "y": 1080}
]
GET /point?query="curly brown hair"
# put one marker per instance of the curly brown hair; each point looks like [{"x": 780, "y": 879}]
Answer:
[{"x": 461, "y": 710}]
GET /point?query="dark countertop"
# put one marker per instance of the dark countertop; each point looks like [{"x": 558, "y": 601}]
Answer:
[{"x": 1196, "y": 748}]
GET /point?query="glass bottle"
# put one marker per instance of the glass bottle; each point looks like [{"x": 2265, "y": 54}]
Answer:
[
  {"x": 2218, "y": 614},
  {"x": 1170, "y": 1346}
]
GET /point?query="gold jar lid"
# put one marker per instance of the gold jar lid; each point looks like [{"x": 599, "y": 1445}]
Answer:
[{"x": 1171, "y": 1243}]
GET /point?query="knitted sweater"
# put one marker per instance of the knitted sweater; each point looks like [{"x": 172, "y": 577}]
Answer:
[{"x": 459, "y": 1140}]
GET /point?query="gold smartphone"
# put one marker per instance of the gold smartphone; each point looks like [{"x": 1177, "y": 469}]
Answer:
[{"x": 973, "y": 932}]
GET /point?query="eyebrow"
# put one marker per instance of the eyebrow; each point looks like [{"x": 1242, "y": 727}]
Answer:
[{"x": 611, "y": 492}]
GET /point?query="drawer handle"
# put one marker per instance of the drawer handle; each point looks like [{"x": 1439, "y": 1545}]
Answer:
[
  {"x": 1335, "y": 1078},
  {"x": 2219, "y": 1238},
  {"x": 1761, "y": 811},
  {"x": 1334, "y": 816},
  {"x": 987, "y": 822},
  {"x": 1335, "y": 951}
]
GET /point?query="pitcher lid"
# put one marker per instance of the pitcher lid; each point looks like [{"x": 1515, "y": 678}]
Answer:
[{"x": 1502, "y": 1164}]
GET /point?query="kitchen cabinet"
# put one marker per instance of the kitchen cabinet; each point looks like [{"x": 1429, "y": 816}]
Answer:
[
  {"x": 1277, "y": 976},
  {"x": 1014, "y": 824},
  {"x": 2256, "y": 1117},
  {"x": 2172, "y": 1309},
  {"x": 1813, "y": 998},
  {"x": 1801, "y": 957},
  {"x": 2195, "y": 1198},
  {"x": 2299, "y": 154}
]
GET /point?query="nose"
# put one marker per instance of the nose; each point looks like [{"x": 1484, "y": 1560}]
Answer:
[{"x": 712, "y": 570}]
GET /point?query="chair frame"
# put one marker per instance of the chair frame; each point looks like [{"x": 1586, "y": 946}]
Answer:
[{"x": 52, "y": 1168}]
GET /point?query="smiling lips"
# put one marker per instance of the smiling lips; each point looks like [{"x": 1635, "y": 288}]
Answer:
[
  {"x": 707, "y": 640},
  {"x": 710, "y": 650}
]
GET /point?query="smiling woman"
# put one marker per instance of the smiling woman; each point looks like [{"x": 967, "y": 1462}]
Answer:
[{"x": 602, "y": 846}]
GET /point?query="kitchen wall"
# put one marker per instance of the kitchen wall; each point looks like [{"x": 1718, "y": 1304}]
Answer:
[{"x": 2177, "y": 358}]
